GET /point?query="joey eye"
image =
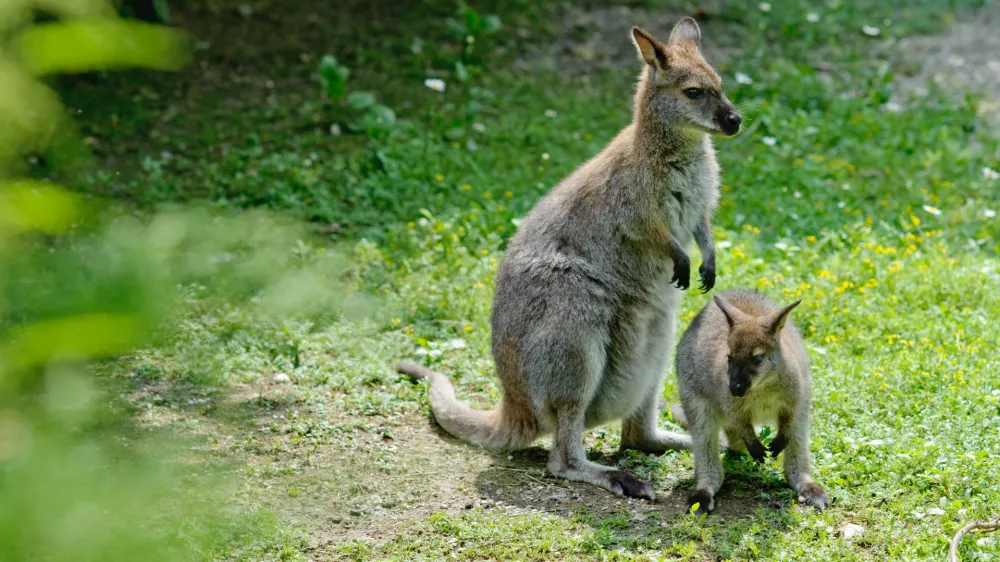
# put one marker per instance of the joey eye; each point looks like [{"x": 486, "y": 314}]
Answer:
[
  {"x": 694, "y": 93},
  {"x": 757, "y": 359}
]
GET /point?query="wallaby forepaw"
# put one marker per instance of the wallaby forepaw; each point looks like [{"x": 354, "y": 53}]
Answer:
[
  {"x": 623, "y": 483},
  {"x": 777, "y": 445},
  {"x": 707, "y": 274},
  {"x": 700, "y": 503},
  {"x": 814, "y": 495},
  {"x": 756, "y": 450},
  {"x": 682, "y": 274}
]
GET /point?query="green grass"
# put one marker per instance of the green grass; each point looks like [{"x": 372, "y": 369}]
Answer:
[{"x": 841, "y": 211}]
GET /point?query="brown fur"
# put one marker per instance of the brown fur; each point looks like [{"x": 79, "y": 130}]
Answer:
[
  {"x": 583, "y": 313},
  {"x": 742, "y": 363}
]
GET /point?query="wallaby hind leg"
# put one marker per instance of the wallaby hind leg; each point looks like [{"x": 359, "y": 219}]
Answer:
[
  {"x": 640, "y": 430},
  {"x": 569, "y": 460}
]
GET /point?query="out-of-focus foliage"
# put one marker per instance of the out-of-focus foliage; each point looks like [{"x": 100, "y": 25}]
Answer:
[{"x": 79, "y": 283}]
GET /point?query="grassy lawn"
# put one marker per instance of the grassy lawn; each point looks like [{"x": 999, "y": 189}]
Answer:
[{"x": 874, "y": 206}]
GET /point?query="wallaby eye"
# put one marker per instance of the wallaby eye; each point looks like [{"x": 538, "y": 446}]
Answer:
[
  {"x": 757, "y": 359},
  {"x": 694, "y": 93}
]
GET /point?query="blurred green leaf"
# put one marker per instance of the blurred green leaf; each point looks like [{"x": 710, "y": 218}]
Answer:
[
  {"x": 360, "y": 100},
  {"x": 76, "y": 338},
  {"x": 333, "y": 76},
  {"x": 85, "y": 45},
  {"x": 34, "y": 205}
]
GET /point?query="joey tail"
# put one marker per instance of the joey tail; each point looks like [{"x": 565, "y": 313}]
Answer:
[{"x": 508, "y": 426}]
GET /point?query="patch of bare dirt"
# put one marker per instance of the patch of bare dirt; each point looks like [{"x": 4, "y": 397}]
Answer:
[
  {"x": 964, "y": 59},
  {"x": 585, "y": 38}
]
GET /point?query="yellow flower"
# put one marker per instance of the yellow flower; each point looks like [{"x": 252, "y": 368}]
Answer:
[
  {"x": 466, "y": 187},
  {"x": 439, "y": 177},
  {"x": 811, "y": 238}
]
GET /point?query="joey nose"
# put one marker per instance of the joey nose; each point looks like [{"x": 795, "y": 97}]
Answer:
[{"x": 734, "y": 119}]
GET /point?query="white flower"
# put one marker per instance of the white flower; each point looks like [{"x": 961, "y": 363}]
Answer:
[
  {"x": 892, "y": 107},
  {"x": 281, "y": 377},
  {"x": 743, "y": 78},
  {"x": 991, "y": 174},
  {"x": 846, "y": 187},
  {"x": 870, "y": 30},
  {"x": 876, "y": 442},
  {"x": 434, "y": 353},
  {"x": 842, "y": 204},
  {"x": 545, "y": 156},
  {"x": 457, "y": 344},
  {"x": 989, "y": 213},
  {"x": 724, "y": 244},
  {"x": 478, "y": 127},
  {"x": 935, "y": 511},
  {"x": 769, "y": 141},
  {"x": 435, "y": 84},
  {"x": 550, "y": 113},
  {"x": 812, "y": 17},
  {"x": 932, "y": 210},
  {"x": 765, "y": 6},
  {"x": 781, "y": 246},
  {"x": 798, "y": 194},
  {"x": 421, "y": 351}
]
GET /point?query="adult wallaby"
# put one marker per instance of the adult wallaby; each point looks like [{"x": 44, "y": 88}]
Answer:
[
  {"x": 583, "y": 313},
  {"x": 742, "y": 363}
]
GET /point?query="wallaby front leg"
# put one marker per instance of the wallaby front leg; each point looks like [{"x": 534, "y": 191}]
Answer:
[
  {"x": 568, "y": 459},
  {"x": 703, "y": 237},
  {"x": 708, "y": 471},
  {"x": 798, "y": 469}
]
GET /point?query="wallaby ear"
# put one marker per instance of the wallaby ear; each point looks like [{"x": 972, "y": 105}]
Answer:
[
  {"x": 775, "y": 321},
  {"x": 733, "y": 315},
  {"x": 651, "y": 50},
  {"x": 686, "y": 33}
]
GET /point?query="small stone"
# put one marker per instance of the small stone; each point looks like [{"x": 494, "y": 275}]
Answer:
[
  {"x": 336, "y": 519},
  {"x": 468, "y": 505},
  {"x": 281, "y": 378},
  {"x": 851, "y": 530},
  {"x": 355, "y": 513}
]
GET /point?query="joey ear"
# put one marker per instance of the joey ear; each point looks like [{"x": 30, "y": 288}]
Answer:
[
  {"x": 733, "y": 315},
  {"x": 775, "y": 321},
  {"x": 651, "y": 50},
  {"x": 686, "y": 33}
]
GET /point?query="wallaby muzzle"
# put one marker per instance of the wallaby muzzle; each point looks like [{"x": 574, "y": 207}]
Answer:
[{"x": 739, "y": 381}]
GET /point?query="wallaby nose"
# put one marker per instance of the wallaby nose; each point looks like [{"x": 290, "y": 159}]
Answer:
[{"x": 734, "y": 119}]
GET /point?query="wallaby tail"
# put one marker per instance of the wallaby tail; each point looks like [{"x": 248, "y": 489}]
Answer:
[{"x": 506, "y": 427}]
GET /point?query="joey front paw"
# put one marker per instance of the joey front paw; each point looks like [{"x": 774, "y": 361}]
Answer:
[
  {"x": 682, "y": 273},
  {"x": 707, "y": 273},
  {"x": 756, "y": 450},
  {"x": 777, "y": 445}
]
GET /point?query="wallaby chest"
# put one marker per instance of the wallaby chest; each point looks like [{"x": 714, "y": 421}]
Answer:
[{"x": 690, "y": 188}]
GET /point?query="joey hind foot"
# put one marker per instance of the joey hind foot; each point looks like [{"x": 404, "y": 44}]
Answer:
[
  {"x": 814, "y": 495},
  {"x": 682, "y": 273},
  {"x": 622, "y": 483},
  {"x": 707, "y": 273},
  {"x": 703, "y": 499}
]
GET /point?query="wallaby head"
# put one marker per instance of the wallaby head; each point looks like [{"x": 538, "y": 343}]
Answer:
[
  {"x": 753, "y": 345},
  {"x": 679, "y": 88}
]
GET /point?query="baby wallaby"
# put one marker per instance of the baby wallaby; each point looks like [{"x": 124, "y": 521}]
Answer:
[
  {"x": 586, "y": 295},
  {"x": 742, "y": 363}
]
